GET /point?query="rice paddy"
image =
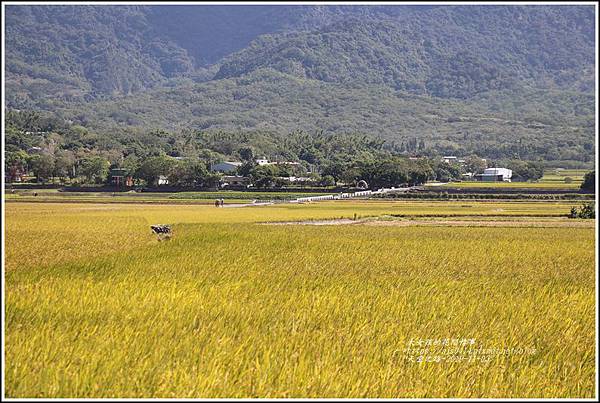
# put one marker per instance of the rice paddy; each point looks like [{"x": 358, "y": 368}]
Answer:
[
  {"x": 560, "y": 179},
  {"x": 97, "y": 307}
]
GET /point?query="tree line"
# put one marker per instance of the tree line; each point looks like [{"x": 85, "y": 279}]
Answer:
[
  {"x": 65, "y": 167},
  {"x": 51, "y": 148}
]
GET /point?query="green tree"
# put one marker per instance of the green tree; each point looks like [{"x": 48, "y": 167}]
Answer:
[
  {"x": 94, "y": 169},
  {"x": 586, "y": 211},
  {"x": 264, "y": 176},
  {"x": 16, "y": 164},
  {"x": 475, "y": 164},
  {"x": 246, "y": 154},
  {"x": 335, "y": 170},
  {"x": 383, "y": 173},
  {"x": 42, "y": 166},
  {"x": 189, "y": 174},
  {"x": 589, "y": 181},
  {"x": 445, "y": 172},
  {"x": 327, "y": 180},
  {"x": 131, "y": 164},
  {"x": 64, "y": 164},
  {"x": 419, "y": 172},
  {"x": 153, "y": 167},
  {"x": 246, "y": 168},
  {"x": 525, "y": 170}
]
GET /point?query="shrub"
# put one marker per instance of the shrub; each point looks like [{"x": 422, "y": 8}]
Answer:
[
  {"x": 589, "y": 181},
  {"x": 586, "y": 211}
]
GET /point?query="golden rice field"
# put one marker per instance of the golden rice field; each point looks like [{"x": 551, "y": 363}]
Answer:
[{"x": 97, "y": 307}]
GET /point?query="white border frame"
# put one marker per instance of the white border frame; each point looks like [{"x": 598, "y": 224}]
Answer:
[{"x": 274, "y": 3}]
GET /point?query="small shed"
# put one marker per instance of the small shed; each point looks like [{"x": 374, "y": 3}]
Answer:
[
  {"x": 119, "y": 177},
  {"x": 162, "y": 180}
]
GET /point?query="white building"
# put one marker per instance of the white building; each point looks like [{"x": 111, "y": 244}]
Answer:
[
  {"x": 495, "y": 175},
  {"x": 162, "y": 180}
]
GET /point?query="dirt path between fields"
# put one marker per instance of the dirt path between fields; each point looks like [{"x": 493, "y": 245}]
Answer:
[{"x": 339, "y": 221}]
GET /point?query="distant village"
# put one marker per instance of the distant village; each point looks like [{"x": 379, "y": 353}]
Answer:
[
  {"x": 229, "y": 175},
  {"x": 242, "y": 175},
  {"x": 231, "y": 179}
]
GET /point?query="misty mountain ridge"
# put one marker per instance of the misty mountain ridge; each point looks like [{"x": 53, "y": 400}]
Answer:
[{"x": 441, "y": 51}]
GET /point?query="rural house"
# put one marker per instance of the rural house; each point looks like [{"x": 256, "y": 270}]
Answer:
[
  {"x": 119, "y": 177},
  {"x": 235, "y": 181}
]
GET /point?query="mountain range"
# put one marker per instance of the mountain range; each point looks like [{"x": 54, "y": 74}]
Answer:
[{"x": 461, "y": 78}]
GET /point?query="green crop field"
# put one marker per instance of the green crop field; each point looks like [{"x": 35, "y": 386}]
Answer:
[
  {"x": 515, "y": 185},
  {"x": 231, "y": 306},
  {"x": 229, "y": 196},
  {"x": 552, "y": 179}
]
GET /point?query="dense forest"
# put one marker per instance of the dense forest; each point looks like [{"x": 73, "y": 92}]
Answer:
[{"x": 501, "y": 82}]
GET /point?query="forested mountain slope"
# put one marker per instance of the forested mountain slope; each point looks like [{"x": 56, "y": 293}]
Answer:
[
  {"x": 441, "y": 51},
  {"x": 488, "y": 79},
  {"x": 452, "y": 52},
  {"x": 551, "y": 124}
]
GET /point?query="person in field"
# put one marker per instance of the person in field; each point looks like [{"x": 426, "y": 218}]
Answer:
[{"x": 217, "y": 203}]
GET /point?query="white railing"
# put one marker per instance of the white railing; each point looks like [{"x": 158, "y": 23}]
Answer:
[{"x": 340, "y": 196}]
